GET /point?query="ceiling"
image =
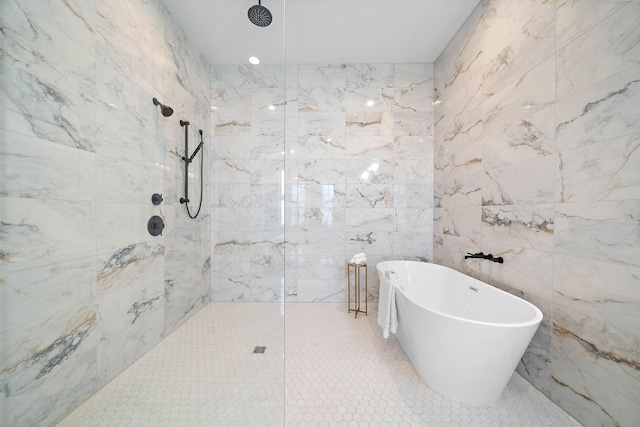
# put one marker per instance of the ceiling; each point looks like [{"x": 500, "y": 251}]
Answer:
[{"x": 323, "y": 31}]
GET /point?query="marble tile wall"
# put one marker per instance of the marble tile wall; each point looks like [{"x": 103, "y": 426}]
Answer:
[
  {"x": 311, "y": 164},
  {"x": 85, "y": 290},
  {"x": 537, "y": 142}
]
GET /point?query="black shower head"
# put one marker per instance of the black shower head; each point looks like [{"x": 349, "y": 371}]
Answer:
[
  {"x": 259, "y": 15},
  {"x": 165, "y": 109}
]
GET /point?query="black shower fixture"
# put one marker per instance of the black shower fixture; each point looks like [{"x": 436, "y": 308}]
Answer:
[
  {"x": 165, "y": 109},
  {"x": 259, "y": 15}
]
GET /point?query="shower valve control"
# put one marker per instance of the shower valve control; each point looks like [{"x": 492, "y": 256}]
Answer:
[
  {"x": 156, "y": 199},
  {"x": 155, "y": 225}
]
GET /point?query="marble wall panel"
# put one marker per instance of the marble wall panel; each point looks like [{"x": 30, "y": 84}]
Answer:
[
  {"x": 600, "y": 172},
  {"x": 87, "y": 148},
  {"x": 598, "y": 113},
  {"x": 557, "y": 147},
  {"x": 343, "y": 157},
  {"x": 614, "y": 41}
]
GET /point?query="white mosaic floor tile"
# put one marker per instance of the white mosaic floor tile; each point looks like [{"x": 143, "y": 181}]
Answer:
[{"x": 321, "y": 367}]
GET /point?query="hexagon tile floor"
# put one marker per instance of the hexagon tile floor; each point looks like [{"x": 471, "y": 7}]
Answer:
[{"x": 321, "y": 367}]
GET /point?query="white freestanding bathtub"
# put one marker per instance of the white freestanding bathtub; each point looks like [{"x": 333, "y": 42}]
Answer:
[{"x": 463, "y": 336}]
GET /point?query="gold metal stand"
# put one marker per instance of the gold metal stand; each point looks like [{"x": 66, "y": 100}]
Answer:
[{"x": 357, "y": 288}]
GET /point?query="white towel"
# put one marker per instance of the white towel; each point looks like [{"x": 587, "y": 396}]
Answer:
[
  {"x": 358, "y": 261},
  {"x": 387, "y": 311}
]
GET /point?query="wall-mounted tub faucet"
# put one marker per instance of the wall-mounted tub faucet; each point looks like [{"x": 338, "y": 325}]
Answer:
[{"x": 481, "y": 255}]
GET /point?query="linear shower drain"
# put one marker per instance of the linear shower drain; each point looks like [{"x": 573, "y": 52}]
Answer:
[{"x": 259, "y": 349}]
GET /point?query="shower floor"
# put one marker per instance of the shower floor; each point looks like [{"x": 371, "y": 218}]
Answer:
[{"x": 320, "y": 367}]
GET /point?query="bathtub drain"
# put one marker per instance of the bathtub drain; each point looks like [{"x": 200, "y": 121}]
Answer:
[{"x": 259, "y": 349}]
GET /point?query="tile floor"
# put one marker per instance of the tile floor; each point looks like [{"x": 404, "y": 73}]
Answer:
[{"x": 326, "y": 369}]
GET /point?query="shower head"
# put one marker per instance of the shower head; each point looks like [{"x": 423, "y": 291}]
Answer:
[
  {"x": 165, "y": 109},
  {"x": 259, "y": 15}
]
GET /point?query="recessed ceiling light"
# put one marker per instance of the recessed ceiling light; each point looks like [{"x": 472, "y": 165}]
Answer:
[{"x": 254, "y": 60}]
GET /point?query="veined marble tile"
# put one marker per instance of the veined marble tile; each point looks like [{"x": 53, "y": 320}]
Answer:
[
  {"x": 249, "y": 76},
  {"x": 452, "y": 163},
  {"x": 369, "y": 242},
  {"x": 533, "y": 91},
  {"x": 450, "y": 250},
  {"x": 575, "y": 17},
  {"x": 268, "y": 147},
  {"x": 419, "y": 245},
  {"x": 113, "y": 175},
  {"x": 412, "y": 196},
  {"x": 131, "y": 322},
  {"x": 41, "y": 84},
  {"x": 114, "y": 232},
  {"x": 40, "y": 169},
  {"x": 591, "y": 401},
  {"x": 267, "y": 171},
  {"x": 413, "y": 99},
  {"x": 603, "y": 231},
  {"x": 274, "y": 100},
  {"x": 369, "y": 196},
  {"x": 123, "y": 266},
  {"x": 413, "y": 75},
  {"x": 327, "y": 125},
  {"x": 370, "y": 124},
  {"x": 320, "y": 147},
  {"x": 601, "y": 112},
  {"x": 371, "y": 147},
  {"x": 604, "y": 291},
  {"x": 325, "y": 267},
  {"x": 315, "y": 243},
  {"x": 370, "y": 99},
  {"x": 232, "y": 99},
  {"x": 606, "y": 353},
  {"x": 505, "y": 21},
  {"x": 49, "y": 366},
  {"x": 322, "y": 75},
  {"x": 516, "y": 39},
  {"x": 463, "y": 54},
  {"x": 36, "y": 229},
  {"x": 530, "y": 182},
  {"x": 314, "y": 219},
  {"x": 267, "y": 123},
  {"x": 413, "y": 147},
  {"x": 236, "y": 147},
  {"x": 236, "y": 218},
  {"x": 412, "y": 123},
  {"x": 321, "y": 99},
  {"x": 233, "y": 123},
  {"x": 322, "y": 172},
  {"x": 35, "y": 289},
  {"x": 461, "y": 221},
  {"x": 414, "y": 220},
  {"x": 524, "y": 139},
  {"x": 268, "y": 219},
  {"x": 369, "y": 75},
  {"x": 320, "y": 195},
  {"x": 463, "y": 130},
  {"x": 266, "y": 195},
  {"x": 413, "y": 172},
  {"x": 463, "y": 191},
  {"x": 466, "y": 99},
  {"x": 322, "y": 290},
  {"x": 231, "y": 171},
  {"x": 600, "y": 172},
  {"x": 529, "y": 271},
  {"x": 368, "y": 219},
  {"x": 615, "y": 42},
  {"x": 370, "y": 172},
  {"x": 529, "y": 227},
  {"x": 535, "y": 367}
]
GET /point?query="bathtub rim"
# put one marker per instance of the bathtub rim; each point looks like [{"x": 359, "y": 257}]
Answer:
[{"x": 536, "y": 320}]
